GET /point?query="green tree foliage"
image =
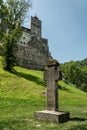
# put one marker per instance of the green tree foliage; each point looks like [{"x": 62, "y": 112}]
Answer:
[
  {"x": 76, "y": 74},
  {"x": 9, "y": 49},
  {"x": 82, "y": 63},
  {"x": 3, "y": 15},
  {"x": 17, "y": 12},
  {"x": 11, "y": 21}
]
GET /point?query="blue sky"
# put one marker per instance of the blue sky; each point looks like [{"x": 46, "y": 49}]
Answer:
[{"x": 64, "y": 24}]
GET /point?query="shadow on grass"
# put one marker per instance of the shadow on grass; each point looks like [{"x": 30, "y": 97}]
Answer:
[
  {"x": 81, "y": 126},
  {"x": 29, "y": 77},
  {"x": 78, "y": 119},
  {"x": 63, "y": 88}
]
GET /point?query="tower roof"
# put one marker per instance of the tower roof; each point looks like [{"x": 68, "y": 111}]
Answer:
[{"x": 35, "y": 17}]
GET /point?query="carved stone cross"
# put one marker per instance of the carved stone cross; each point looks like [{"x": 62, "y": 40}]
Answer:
[{"x": 52, "y": 76}]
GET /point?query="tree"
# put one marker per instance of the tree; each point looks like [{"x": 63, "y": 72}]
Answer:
[
  {"x": 75, "y": 74},
  {"x": 14, "y": 17},
  {"x": 3, "y": 15},
  {"x": 9, "y": 49}
]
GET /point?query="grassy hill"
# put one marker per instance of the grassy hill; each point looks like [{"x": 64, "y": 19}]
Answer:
[{"x": 22, "y": 93}]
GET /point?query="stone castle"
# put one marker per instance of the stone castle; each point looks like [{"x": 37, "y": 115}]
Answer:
[{"x": 33, "y": 51}]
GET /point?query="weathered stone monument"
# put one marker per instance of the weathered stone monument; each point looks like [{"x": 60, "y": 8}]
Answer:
[{"x": 52, "y": 75}]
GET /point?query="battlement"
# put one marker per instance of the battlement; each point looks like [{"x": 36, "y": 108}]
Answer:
[{"x": 35, "y": 21}]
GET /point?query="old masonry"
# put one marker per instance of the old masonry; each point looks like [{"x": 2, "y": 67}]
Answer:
[{"x": 33, "y": 51}]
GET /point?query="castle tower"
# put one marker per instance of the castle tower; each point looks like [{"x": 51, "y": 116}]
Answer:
[
  {"x": 33, "y": 51},
  {"x": 36, "y": 27}
]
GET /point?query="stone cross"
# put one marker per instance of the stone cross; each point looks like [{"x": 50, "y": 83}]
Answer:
[{"x": 52, "y": 76}]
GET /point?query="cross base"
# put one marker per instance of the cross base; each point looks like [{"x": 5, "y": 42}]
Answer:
[{"x": 54, "y": 116}]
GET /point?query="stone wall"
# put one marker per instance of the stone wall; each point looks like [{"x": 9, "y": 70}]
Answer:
[
  {"x": 34, "y": 54},
  {"x": 33, "y": 51}
]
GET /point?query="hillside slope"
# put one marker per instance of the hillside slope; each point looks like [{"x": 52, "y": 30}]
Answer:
[{"x": 23, "y": 93}]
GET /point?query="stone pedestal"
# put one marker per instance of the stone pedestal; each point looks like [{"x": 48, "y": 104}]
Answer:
[{"x": 53, "y": 116}]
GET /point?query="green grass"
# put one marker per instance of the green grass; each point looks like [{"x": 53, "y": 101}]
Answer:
[{"x": 22, "y": 93}]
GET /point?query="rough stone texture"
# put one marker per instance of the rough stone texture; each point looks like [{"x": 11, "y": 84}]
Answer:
[
  {"x": 34, "y": 55},
  {"x": 51, "y": 114},
  {"x": 54, "y": 116},
  {"x": 51, "y": 76},
  {"x": 33, "y": 51}
]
